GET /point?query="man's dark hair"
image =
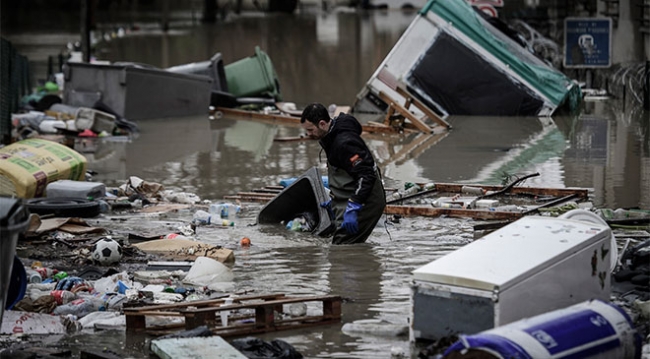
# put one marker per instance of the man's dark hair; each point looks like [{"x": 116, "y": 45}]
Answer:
[{"x": 314, "y": 113}]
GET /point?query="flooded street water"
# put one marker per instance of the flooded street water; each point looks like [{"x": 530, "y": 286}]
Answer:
[{"x": 328, "y": 58}]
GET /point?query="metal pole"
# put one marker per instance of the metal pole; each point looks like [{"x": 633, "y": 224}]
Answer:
[
  {"x": 646, "y": 88},
  {"x": 50, "y": 68},
  {"x": 210, "y": 8},
  {"x": 165, "y": 15},
  {"x": 85, "y": 29}
]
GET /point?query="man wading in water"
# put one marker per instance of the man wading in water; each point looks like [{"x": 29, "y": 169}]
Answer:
[{"x": 358, "y": 198}]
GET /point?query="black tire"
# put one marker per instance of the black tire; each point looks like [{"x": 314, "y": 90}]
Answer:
[{"x": 64, "y": 207}]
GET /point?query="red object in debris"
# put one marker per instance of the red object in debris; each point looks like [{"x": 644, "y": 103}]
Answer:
[
  {"x": 245, "y": 242},
  {"x": 87, "y": 133}
]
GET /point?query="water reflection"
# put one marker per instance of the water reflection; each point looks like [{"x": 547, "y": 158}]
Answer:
[
  {"x": 221, "y": 157},
  {"x": 478, "y": 150},
  {"x": 373, "y": 279},
  {"x": 318, "y": 57},
  {"x": 608, "y": 151}
]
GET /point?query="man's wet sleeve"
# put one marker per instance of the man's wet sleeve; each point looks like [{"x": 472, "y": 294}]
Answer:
[{"x": 358, "y": 162}]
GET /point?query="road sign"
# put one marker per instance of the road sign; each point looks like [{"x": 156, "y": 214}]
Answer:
[{"x": 587, "y": 42}]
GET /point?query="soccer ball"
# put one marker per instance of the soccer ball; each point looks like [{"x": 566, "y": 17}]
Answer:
[{"x": 106, "y": 251}]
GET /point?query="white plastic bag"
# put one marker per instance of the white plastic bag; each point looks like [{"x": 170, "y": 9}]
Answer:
[{"x": 206, "y": 270}]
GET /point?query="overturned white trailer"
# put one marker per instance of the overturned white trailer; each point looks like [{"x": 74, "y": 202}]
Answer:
[{"x": 456, "y": 61}]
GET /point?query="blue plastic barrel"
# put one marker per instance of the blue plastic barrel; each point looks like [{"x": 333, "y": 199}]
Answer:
[{"x": 585, "y": 330}]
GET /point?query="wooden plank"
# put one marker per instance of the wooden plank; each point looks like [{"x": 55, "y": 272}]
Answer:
[
  {"x": 267, "y": 190},
  {"x": 389, "y": 114},
  {"x": 199, "y": 303},
  {"x": 406, "y": 113},
  {"x": 332, "y": 309},
  {"x": 153, "y": 312},
  {"x": 135, "y": 323},
  {"x": 197, "y": 319},
  {"x": 451, "y": 212},
  {"x": 256, "y": 194},
  {"x": 261, "y": 117},
  {"x": 378, "y": 124},
  {"x": 424, "y": 108},
  {"x": 264, "y": 316},
  {"x": 247, "y": 198},
  {"x": 490, "y": 225},
  {"x": 398, "y": 86},
  {"x": 275, "y": 119},
  {"x": 272, "y": 302},
  {"x": 583, "y": 193},
  {"x": 292, "y": 139}
]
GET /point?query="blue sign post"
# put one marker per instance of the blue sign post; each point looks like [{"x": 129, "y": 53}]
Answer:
[{"x": 587, "y": 42}]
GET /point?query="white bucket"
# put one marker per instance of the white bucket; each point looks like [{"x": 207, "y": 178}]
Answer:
[{"x": 593, "y": 329}]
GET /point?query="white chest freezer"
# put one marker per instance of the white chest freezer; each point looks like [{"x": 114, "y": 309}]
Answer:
[{"x": 529, "y": 267}]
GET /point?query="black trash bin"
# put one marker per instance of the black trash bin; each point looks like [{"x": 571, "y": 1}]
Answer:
[{"x": 14, "y": 219}]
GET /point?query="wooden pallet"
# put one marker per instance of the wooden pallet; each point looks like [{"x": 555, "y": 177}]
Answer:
[
  {"x": 207, "y": 312},
  {"x": 288, "y": 120},
  {"x": 395, "y": 107}
]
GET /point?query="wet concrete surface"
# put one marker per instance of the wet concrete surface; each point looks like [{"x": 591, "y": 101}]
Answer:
[{"x": 328, "y": 59}]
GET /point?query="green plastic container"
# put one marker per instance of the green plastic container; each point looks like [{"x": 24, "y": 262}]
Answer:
[{"x": 253, "y": 76}]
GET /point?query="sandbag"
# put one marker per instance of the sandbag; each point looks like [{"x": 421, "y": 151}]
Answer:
[{"x": 27, "y": 166}]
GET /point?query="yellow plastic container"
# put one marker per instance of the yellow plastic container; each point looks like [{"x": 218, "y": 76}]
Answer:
[{"x": 26, "y": 167}]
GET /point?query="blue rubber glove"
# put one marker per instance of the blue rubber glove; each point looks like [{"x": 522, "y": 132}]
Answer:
[
  {"x": 328, "y": 206},
  {"x": 350, "y": 221}
]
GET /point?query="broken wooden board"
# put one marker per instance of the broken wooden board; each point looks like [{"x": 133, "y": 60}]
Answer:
[
  {"x": 582, "y": 193},
  {"x": 184, "y": 249},
  {"x": 428, "y": 211},
  {"x": 199, "y": 313},
  {"x": 275, "y": 119}
]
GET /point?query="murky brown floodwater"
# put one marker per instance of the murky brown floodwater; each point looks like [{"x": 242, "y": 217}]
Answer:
[{"x": 327, "y": 58}]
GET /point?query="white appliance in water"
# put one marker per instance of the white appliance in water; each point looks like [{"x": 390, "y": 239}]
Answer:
[{"x": 531, "y": 266}]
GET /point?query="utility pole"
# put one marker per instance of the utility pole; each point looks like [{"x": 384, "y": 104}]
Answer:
[
  {"x": 165, "y": 15},
  {"x": 210, "y": 11},
  {"x": 87, "y": 21},
  {"x": 646, "y": 88}
]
